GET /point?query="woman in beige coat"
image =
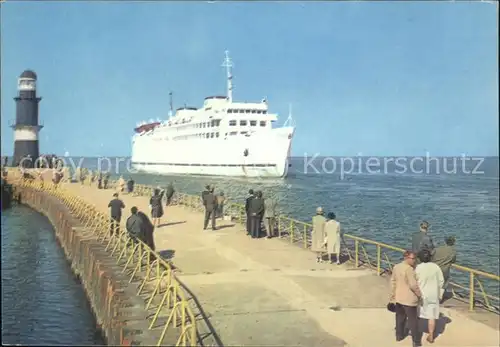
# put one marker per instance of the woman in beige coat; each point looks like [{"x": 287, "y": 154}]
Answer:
[
  {"x": 332, "y": 231},
  {"x": 318, "y": 234}
]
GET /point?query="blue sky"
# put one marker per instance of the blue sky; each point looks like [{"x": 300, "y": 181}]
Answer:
[{"x": 375, "y": 78}]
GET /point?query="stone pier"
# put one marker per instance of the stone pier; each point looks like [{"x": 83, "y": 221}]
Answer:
[{"x": 268, "y": 292}]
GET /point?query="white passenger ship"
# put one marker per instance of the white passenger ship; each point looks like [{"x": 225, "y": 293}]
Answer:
[{"x": 223, "y": 138}]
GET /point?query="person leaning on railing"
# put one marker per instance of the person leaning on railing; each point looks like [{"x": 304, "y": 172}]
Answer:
[
  {"x": 422, "y": 240},
  {"x": 445, "y": 256}
]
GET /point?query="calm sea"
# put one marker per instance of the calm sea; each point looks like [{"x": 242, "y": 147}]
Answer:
[{"x": 42, "y": 302}]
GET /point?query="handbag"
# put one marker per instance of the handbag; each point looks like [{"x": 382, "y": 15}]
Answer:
[{"x": 391, "y": 307}]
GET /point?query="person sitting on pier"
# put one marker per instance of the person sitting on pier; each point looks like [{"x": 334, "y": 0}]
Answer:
[
  {"x": 116, "y": 206},
  {"x": 430, "y": 281},
  {"x": 405, "y": 295},
  {"x": 318, "y": 234},
  {"x": 156, "y": 206},
  {"x": 257, "y": 210},
  {"x": 170, "y": 193},
  {"x": 421, "y": 239},
  {"x": 445, "y": 256},
  {"x": 332, "y": 233},
  {"x": 210, "y": 204},
  {"x": 247, "y": 210},
  {"x": 134, "y": 225}
]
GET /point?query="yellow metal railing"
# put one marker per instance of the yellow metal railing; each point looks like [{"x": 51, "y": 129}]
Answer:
[
  {"x": 135, "y": 256},
  {"x": 378, "y": 256}
]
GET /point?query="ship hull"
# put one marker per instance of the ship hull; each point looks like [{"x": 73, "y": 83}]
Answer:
[{"x": 259, "y": 155}]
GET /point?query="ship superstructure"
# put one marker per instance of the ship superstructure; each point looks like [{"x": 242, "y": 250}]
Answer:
[{"x": 222, "y": 138}]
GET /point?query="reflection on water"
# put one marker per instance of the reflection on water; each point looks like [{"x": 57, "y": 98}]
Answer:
[{"x": 42, "y": 302}]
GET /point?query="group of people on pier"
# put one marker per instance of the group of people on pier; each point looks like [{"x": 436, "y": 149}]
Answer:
[
  {"x": 214, "y": 206},
  {"x": 257, "y": 209},
  {"x": 138, "y": 224},
  {"x": 419, "y": 283}
]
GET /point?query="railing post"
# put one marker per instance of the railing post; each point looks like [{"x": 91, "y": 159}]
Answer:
[
  {"x": 471, "y": 291},
  {"x": 356, "y": 253},
  {"x": 291, "y": 231},
  {"x": 305, "y": 236},
  {"x": 378, "y": 260}
]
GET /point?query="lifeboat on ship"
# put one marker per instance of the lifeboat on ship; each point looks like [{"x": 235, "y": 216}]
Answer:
[{"x": 146, "y": 127}]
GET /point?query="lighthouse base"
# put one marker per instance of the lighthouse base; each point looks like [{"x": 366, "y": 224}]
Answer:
[{"x": 26, "y": 152}]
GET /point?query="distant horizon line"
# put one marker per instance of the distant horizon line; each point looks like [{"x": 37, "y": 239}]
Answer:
[{"x": 298, "y": 156}]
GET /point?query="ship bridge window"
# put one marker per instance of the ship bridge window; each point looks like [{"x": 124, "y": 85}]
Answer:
[
  {"x": 253, "y": 123},
  {"x": 243, "y": 122},
  {"x": 232, "y": 123},
  {"x": 264, "y": 112},
  {"x": 253, "y": 111},
  {"x": 207, "y": 135},
  {"x": 229, "y": 111},
  {"x": 211, "y": 135},
  {"x": 262, "y": 123},
  {"x": 233, "y": 133},
  {"x": 241, "y": 111},
  {"x": 204, "y": 125},
  {"x": 247, "y": 111},
  {"x": 216, "y": 134},
  {"x": 244, "y": 132}
]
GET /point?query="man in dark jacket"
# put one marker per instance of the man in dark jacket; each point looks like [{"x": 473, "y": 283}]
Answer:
[
  {"x": 445, "y": 256},
  {"x": 210, "y": 203},
  {"x": 107, "y": 175},
  {"x": 147, "y": 230},
  {"x": 247, "y": 210},
  {"x": 421, "y": 240},
  {"x": 130, "y": 185},
  {"x": 115, "y": 206},
  {"x": 256, "y": 213},
  {"x": 135, "y": 227},
  {"x": 170, "y": 193}
]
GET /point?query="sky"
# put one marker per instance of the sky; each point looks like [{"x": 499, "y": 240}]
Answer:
[{"x": 369, "y": 78}]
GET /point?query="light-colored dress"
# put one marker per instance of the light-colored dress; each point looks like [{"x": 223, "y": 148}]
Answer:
[
  {"x": 332, "y": 231},
  {"x": 430, "y": 281},
  {"x": 318, "y": 233}
]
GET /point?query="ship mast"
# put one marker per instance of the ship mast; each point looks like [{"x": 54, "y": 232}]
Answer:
[
  {"x": 171, "y": 112},
  {"x": 228, "y": 64}
]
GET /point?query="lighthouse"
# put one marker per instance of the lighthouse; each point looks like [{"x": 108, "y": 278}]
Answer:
[{"x": 26, "y": 127}]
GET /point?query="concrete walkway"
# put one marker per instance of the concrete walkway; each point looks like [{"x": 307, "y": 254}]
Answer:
[{"x": 266, "y": 292}]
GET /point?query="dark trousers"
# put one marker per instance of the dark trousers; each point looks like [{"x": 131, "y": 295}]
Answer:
[
  {"x": 115, "y": 224},
  {"x": 249, "y": 224},
  {"x": 255, "y": 223},
  {"x": 220, "y": 210},
  {"x": 209, "y": 215},
  {"x": 169, "y": 200},
  {"x": 105, "y": 184},
  {"x": 407, "y": 315}
]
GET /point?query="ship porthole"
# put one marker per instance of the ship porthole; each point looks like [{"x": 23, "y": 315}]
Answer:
[{"x": 245, "y": 152}]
